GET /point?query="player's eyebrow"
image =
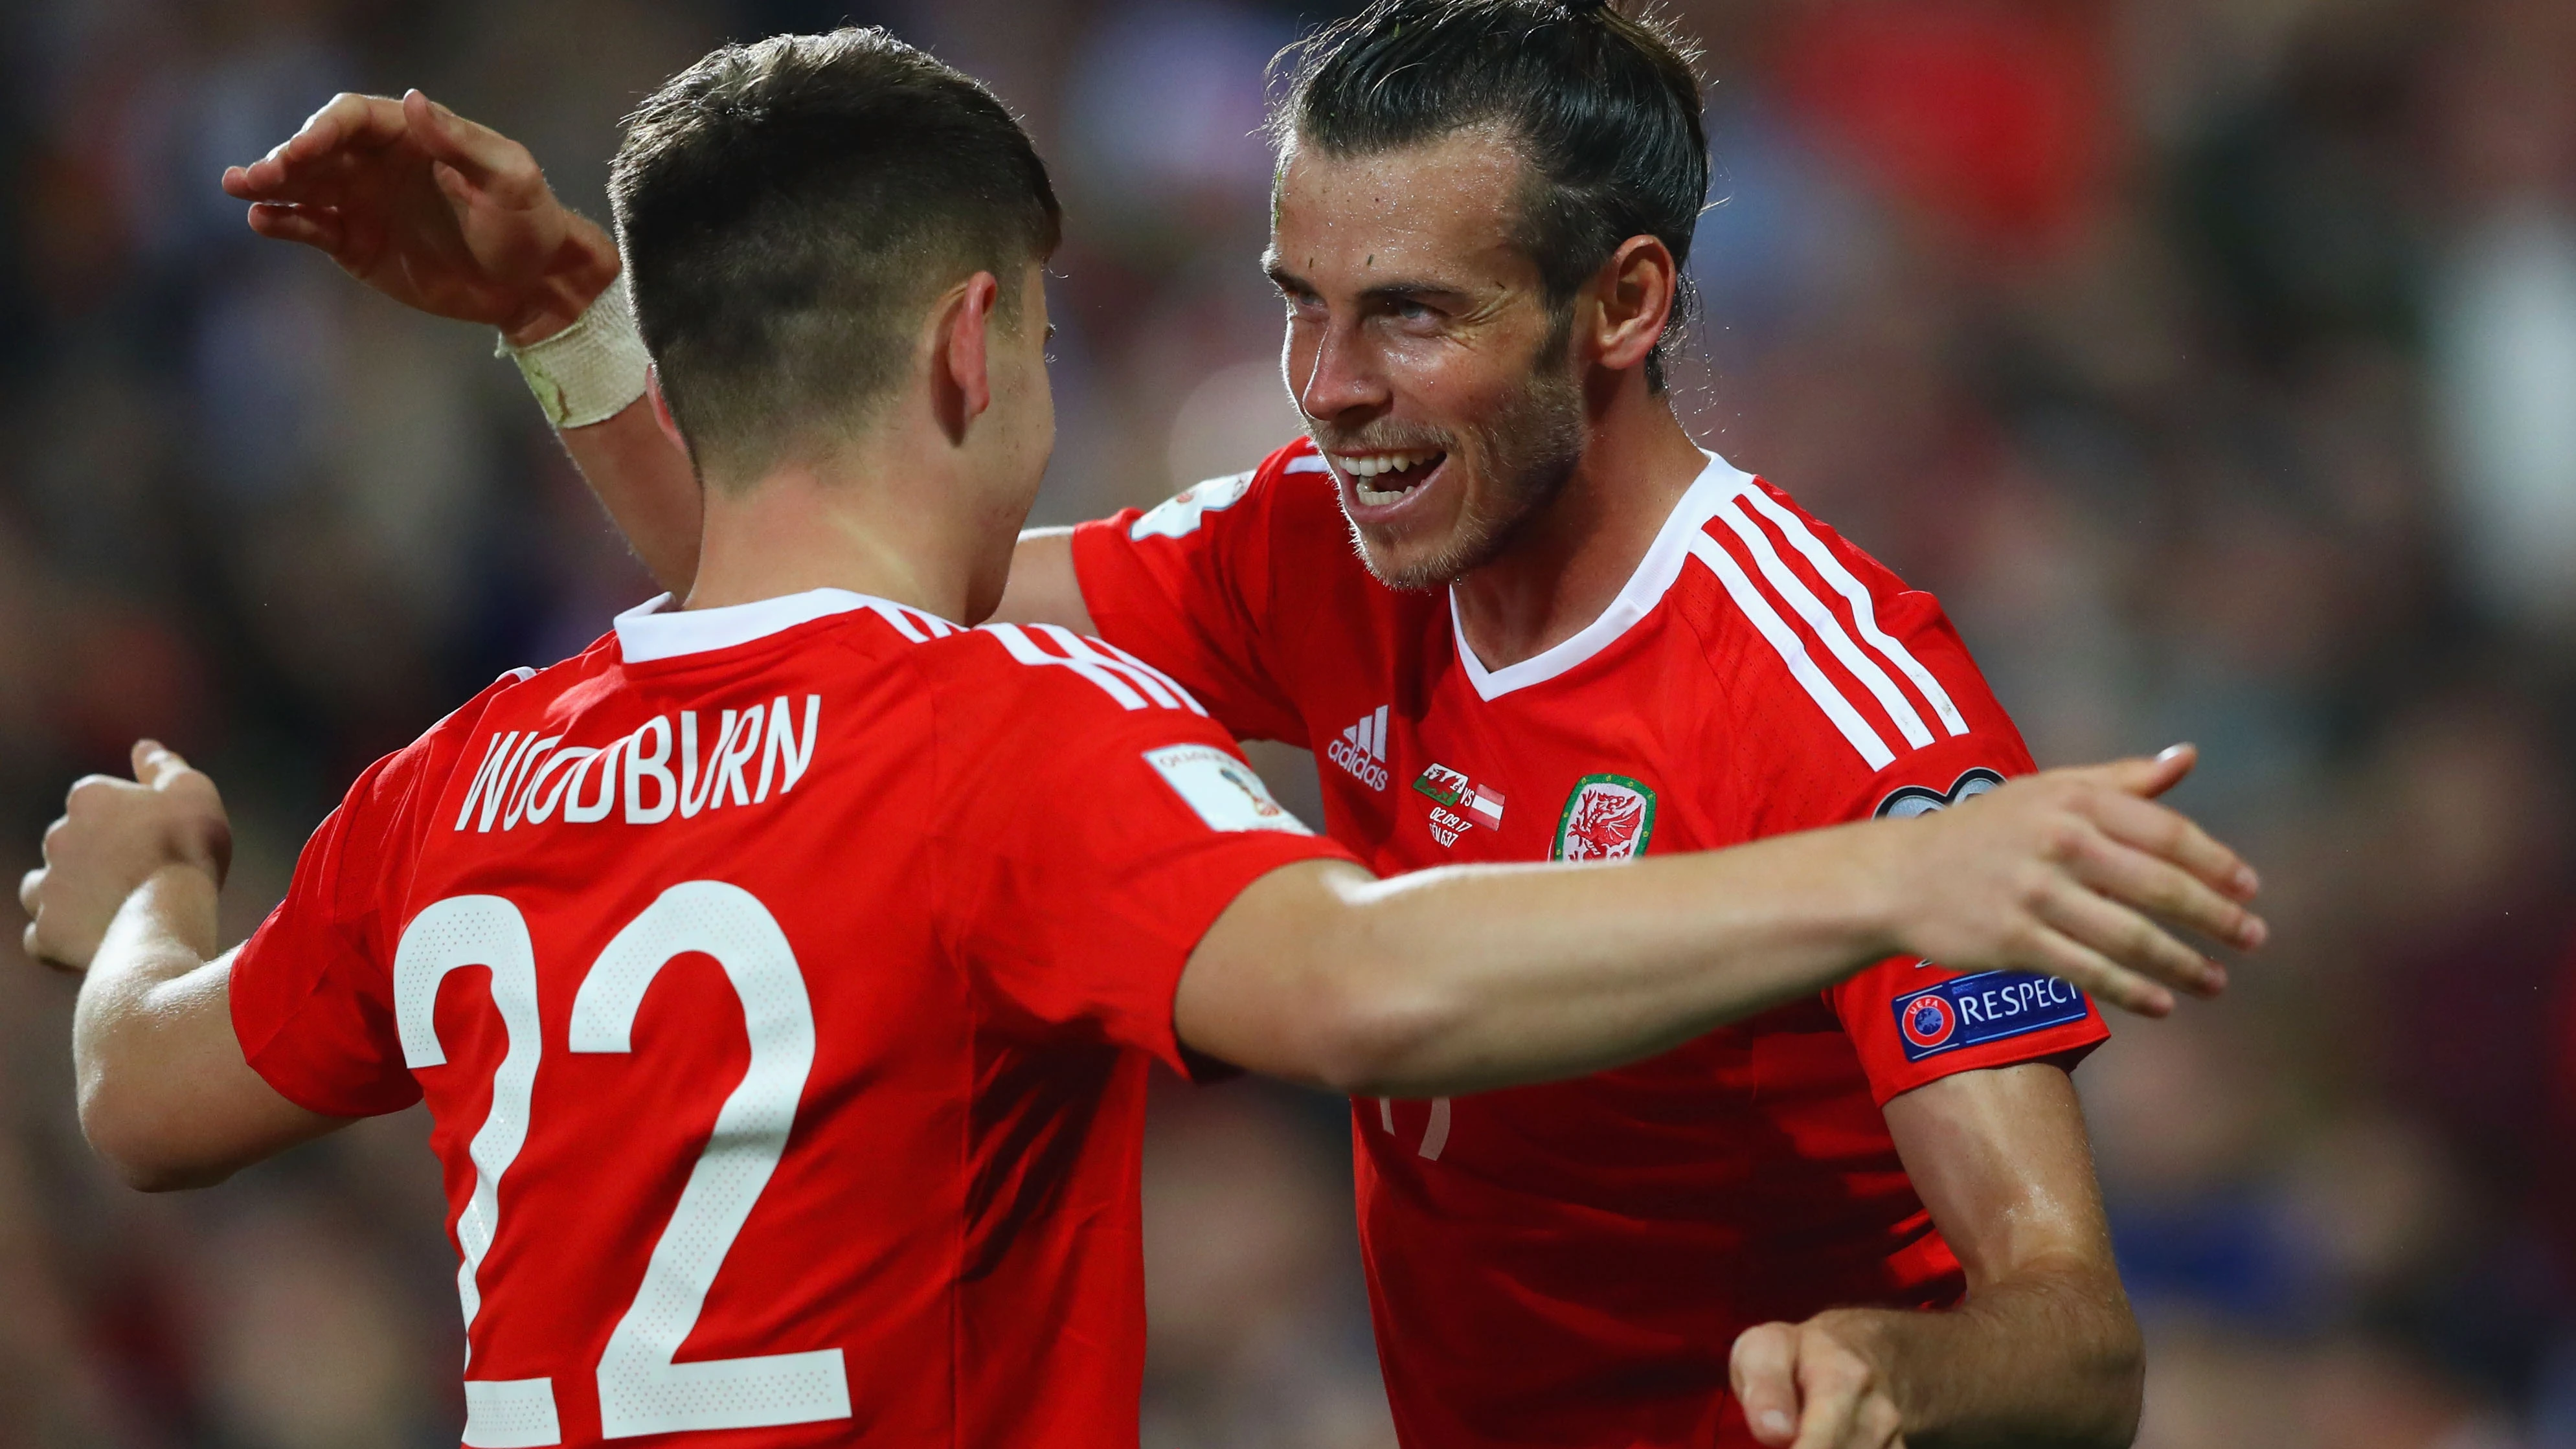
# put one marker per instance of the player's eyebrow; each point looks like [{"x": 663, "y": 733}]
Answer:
[
  {"x": 1394, "y": 289},
  {"x": 1282, "y": 278},
  {"x": 1407, "y": 290}
]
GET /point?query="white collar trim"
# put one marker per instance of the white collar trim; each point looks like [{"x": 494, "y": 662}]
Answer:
[
  {"x": 1654, "y": 576},
  {"x": 657, "y": 630}
]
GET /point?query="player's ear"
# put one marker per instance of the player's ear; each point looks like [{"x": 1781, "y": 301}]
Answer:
[
  {"x": 662, "y": 410},
  {"x": 1632, "y": 296},
  {"x": 962, "y": 376}
]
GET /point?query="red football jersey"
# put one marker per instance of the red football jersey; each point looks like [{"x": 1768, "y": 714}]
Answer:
[
  {"x": 782, "y": 980},
  {"x": 1570, "y": 1264}
]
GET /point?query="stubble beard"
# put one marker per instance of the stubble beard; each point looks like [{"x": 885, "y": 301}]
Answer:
[{"x": 1528, "y": 448}]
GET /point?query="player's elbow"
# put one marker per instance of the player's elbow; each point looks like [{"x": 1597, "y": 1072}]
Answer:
[
  {"x": 2120, "y": 1368},
  {"x": 2109, "y": 1368},
  {"x": 1316, "y": 978},
  {"x": 136, "y": 1135},
  {"x": 1376, "y": 1033}
]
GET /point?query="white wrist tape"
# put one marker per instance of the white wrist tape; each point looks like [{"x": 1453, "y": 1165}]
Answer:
[{"x": 590, "y": 371}]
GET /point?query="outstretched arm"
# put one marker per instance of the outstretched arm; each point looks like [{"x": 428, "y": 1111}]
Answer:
[
  {"x": 2044, "y": 1351},
  {"x": 1470, "y": 978},
  {"x": 455, "y": 219},
  {"x": 128, "y": 891}
]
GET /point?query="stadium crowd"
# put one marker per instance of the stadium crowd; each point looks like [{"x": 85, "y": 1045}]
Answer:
[{"x": 2215, "y": 362}]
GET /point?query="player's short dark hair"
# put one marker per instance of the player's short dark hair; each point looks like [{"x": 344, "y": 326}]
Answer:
[
  {"x": 1603, "y": 107},
  {"x": 788, "y": 208}
]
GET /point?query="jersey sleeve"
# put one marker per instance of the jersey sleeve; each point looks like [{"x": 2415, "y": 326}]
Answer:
[
  {"x": 312, "y": 990},
  {"x": 1188, "y": 586},
  {"x": 1094, "y": 827},
  {"x": 1881, "y": 713},
  {"x": 1914, "y": 1021}
]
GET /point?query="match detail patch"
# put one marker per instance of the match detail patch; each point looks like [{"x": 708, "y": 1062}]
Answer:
[
  {"x": 1970, "y": 1011},
  {"x": 1458, "y": 804},
  {"x": 1222, "y": 789}
]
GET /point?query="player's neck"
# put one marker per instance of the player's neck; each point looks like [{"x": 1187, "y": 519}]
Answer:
[
  {"x": 1565, "y": 564},
  {"x": 858, "y": 524}
]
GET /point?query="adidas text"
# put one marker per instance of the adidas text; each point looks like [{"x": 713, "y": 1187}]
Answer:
[{"x": 1361, "y": 750}]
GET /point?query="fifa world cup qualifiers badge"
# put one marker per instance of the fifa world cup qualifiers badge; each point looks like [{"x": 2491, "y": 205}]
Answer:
[{"x": 1607, "y": 817}]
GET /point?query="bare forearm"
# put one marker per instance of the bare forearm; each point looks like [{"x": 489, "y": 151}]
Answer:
[
  {"x": 1528, "y": 974},
  {"x": 645, "y": 483},
  {"x": 1470, "y": 978},
  {"x": 2050, "y": 1357},
  {"x": 134, "y": 1012},
  {"x": 1464, "y": 980},
  {"x": 165, "y": 1095},
  {"x": 165, "y": 930}
]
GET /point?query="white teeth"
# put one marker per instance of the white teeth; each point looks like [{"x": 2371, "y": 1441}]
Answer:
[
  {"x": 1361, "y": 469},
  {"x": 1376, "y": 463}
]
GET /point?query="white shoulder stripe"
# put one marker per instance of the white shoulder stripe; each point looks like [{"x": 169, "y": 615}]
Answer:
[
  {"x": 1799, "y": 597},
  {"x": 1132, "y": 683},
  {"x": 1307, "y": 463},
  {"x": 902, "y": 624},
  {"x": 1142, "y": 669},
  {"x": 1804, "y": 540},
  {"x": 1025, "y": 650},
  {"x": 1793, "y": 652},
  {"x": 1076, "y": 647},
  {"x": 1157, "y": 685}
]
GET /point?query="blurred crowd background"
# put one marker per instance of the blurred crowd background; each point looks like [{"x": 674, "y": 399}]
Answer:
[{"x": 2214, "y": 360}]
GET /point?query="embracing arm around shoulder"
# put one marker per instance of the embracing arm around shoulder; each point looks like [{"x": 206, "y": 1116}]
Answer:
[
  {"x": 455, "y": 219},
  {"x": 127, "y": 893},
  {"x": 2043, "y": 1352},
  {"x": 1044, "y": 589},
  {"x": 1470, "y": 978}
]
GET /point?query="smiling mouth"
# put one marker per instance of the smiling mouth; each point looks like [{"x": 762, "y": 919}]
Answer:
[{"x": 1379, "y": 479}]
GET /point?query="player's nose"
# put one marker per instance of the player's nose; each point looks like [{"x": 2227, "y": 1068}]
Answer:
[{"x": 1338, "y": 378}]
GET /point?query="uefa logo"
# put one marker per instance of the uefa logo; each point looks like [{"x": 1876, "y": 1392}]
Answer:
[{"x": 1927, "y": 1020}]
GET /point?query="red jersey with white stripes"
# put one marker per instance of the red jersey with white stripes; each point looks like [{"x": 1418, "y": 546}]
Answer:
[
  {"x": 1570, "y": 1264},
  {"x": 782, "y": 999}
]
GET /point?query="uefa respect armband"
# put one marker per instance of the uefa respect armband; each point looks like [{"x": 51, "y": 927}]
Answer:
[{"x": 1968, "y": 1011}]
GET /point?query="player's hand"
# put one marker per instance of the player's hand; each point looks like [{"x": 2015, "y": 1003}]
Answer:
[
  {"x": 2067, "y": 873},
  {"x": 432, "y": 210},
  {"x": 1809, "y": 1386},
  {"x": 113, "y": 836}
]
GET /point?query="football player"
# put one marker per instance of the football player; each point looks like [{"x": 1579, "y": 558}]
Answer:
[{"x": 1566, "y": 632}]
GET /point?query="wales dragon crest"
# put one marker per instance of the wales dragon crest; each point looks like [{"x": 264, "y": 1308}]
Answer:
[{"x": 1606, "y": 817}]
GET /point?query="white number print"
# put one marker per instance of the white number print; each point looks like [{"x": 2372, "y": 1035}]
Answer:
[
  {"x": 482, "y": 931},
  {"x": 1435, "y": 1129},
  {"x": 641, "y": 1389}
]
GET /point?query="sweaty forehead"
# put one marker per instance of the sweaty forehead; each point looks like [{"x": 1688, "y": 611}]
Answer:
[{"x": 1439, "y": 209}]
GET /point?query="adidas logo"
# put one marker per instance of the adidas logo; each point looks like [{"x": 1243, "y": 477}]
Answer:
[{"x": 1362, "y": 749}]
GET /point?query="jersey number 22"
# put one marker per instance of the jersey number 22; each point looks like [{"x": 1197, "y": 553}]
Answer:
[{"x": 641, "y": 1390}]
